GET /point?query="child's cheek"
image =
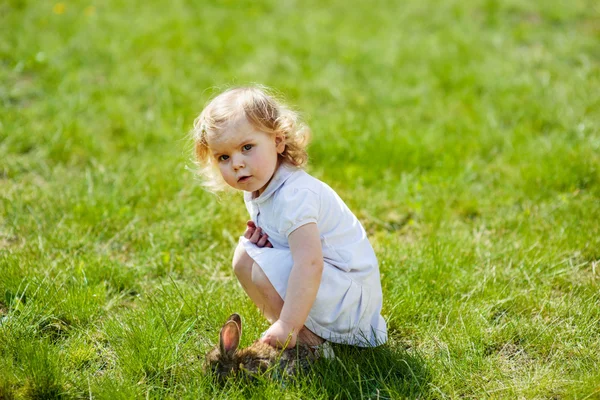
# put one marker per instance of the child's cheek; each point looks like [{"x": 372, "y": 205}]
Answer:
[{"x": 225, "y": 173}]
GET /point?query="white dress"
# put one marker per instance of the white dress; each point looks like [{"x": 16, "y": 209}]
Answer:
[{"x": 347, "y": 308}]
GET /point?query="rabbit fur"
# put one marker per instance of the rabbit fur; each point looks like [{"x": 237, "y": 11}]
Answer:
[{"x": 226, "y": 360}]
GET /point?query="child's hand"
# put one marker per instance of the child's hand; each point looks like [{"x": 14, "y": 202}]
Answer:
[
  {"x": 280, "y": 334},
  {"x": 256, "y": 235}
]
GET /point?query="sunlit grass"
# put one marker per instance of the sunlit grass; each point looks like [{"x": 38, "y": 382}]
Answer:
[{"x": 464, "y": 135}]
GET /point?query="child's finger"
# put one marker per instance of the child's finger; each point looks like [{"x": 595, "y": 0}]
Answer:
[
  {"x": 263, "y": 240},
  {"x": 250, "y": 227},
  {"x": 269, "y": 244},
  {"x": 267, "y": 340},
  {"x": 249, "y": 232},
  {"x": 256, "y": 235}
]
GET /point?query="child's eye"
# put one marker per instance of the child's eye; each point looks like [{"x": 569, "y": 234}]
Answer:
[
  {"x": 223, "y": 158},
  {"x": 246, "y": 147}
]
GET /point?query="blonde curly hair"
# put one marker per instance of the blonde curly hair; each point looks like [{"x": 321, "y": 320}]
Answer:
[{"x": 261, "y": 109}]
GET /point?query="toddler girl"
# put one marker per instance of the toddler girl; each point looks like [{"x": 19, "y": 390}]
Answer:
[{"x": 305, "y": 259}]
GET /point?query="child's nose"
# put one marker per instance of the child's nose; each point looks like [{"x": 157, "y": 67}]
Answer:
[{"x": 238, "y": 162}]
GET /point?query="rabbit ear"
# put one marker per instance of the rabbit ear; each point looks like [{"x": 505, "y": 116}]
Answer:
[
  {"x": 237, "y": 319},
  {"x": 229, "y": 338}
]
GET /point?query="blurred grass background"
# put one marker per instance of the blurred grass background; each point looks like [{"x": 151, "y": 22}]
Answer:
[{"x": 464, "y": 134}]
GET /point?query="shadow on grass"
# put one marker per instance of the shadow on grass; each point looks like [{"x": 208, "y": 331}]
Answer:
[{"x": 381, "y": 372}]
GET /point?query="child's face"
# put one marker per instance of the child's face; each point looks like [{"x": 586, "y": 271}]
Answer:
[{"x": 247, "y": 158}]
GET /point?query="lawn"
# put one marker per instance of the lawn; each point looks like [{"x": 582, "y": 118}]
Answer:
[{"x": 465, "y": 135}]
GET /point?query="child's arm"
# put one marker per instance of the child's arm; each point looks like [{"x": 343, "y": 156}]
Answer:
[{"x": 303, "y": 284}]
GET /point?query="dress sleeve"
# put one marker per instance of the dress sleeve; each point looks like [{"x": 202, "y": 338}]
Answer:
[{"x": 299, "y": 207}]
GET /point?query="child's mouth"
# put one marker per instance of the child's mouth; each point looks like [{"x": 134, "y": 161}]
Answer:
[{"x": 243, "y": 179}]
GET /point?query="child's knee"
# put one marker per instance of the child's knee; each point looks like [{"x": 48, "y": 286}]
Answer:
[{"x": 242, "y": 263}]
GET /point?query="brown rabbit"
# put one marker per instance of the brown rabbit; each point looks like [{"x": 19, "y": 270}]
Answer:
[{"x": 226, "y": 360}]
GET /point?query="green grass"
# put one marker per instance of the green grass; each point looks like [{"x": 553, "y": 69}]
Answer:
[{"x": 464, "y": 134}]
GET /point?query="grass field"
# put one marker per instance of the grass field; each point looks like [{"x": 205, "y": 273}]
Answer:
[{"x": 464, "y": 134}]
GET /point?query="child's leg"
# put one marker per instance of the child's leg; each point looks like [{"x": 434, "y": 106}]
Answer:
[
  {"x": 256, "y": 285},
  {"x": 262, "y": 293}
]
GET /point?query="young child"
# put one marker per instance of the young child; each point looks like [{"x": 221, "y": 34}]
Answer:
[{"x": 304, "y": 259}]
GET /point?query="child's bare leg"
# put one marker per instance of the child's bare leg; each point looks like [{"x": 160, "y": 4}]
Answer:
[
  {"x": 268, "y": 301},
  {"x": 263, "y": 294},
  {"x": 273, "y": 303},
  {"x": 308, "y": 337}
]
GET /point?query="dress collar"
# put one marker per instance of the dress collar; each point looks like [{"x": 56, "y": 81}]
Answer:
[{"x": 283, "y": 172}]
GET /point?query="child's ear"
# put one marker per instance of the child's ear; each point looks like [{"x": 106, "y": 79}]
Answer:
[{"x": 280, "y": 142}]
